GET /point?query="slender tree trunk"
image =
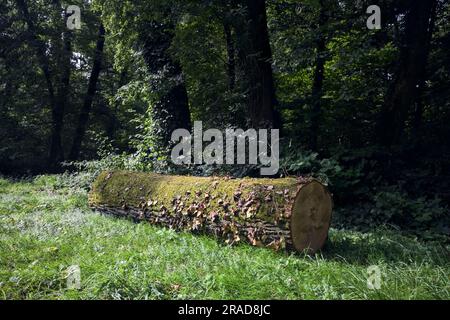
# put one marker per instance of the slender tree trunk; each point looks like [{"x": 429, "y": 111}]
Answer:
[
  {"x": 89, "y": 98},
  {"x": 256, "y": 56},
  {"x": 317, "y": 89},
  {"x": 63, "y": 52},
  {"x": 411, "y": 68},
  {"x": 231, "y": 65},
  {"x": 56, "y": 147},
  {"x": 10, "y": 88},
  {"x": 419, "y": 103}
]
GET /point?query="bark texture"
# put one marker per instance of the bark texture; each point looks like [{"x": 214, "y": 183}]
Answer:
[
  {"x": 64, "y": 56},
  {"x": 89, "y": 98},
  {"x": 290, "y": 213},
  {"x": 231, "y": 64},
  {"x": 410, "y": 71},
  {"x": 171, "y": 110},
  {"x": 319, "y": 74},
  {"x": 255, "y": 56}
]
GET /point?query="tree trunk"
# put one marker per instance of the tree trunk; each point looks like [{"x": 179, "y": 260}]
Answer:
[
  {"x": 277, "y": 213},
  {"x": 255, "y": 55},
  {"x": 171, "y": 110},
  {"x": 412, "y": 66},
  {"x": 90, "y": 94},
  {"x": 231, "y": 65},
  {"x": 419, "y": 103},
  {"x": 317, "y": 89},
  {"x": 56, "y": 147}
]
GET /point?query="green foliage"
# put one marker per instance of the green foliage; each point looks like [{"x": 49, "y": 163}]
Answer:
[
  {"x": 394, "y": 206},
  {"x": 148, "y": 153},
  {"x": 300, "y": 163},
  {"x": 362, "y": 200},
  {"x": 87, "y": 171},
  {"x": 395, "y": 209},
  {"x": 340, "y": 179}
]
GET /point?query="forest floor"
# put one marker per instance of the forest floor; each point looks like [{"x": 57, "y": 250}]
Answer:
[{"x": 46, "y": 227}]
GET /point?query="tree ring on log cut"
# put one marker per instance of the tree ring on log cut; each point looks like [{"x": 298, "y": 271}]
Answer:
[{"x": 311, "y": 217}]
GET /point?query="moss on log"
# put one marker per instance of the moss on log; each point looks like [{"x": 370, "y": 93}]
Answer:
[{"x": 289, "y": 213}]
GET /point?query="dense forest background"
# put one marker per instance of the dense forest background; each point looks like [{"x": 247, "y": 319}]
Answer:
[{"x": 366, "y": 111}]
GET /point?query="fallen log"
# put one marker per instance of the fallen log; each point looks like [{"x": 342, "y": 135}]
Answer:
[{"x": 289, "y": 213}]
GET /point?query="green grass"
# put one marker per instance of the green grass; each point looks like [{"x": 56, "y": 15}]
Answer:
[{"x": 46, "y": 226}]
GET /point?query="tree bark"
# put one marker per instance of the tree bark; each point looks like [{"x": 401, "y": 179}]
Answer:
[
  {"x": 317, "y": 89},
  {"x": 255, "y": 55},
  {"x": 56, "y": 147},
  {"x": 231, "y": 65},
  {"x": 412, "y": 66},
  {"x": 419, "y": 103},
  {"x": 276, "y": 213},
  {"x": 89, "y": 98},
  {"x": 171, "y": 110}
]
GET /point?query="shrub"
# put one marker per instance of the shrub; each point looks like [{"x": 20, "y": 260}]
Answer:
[
  {"x": 394, "y": 206},
  {"x": 343, "y": 182}
]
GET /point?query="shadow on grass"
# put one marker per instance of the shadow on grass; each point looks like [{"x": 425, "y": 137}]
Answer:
[
  {"x": 383, "y": 245},
  {"x": 364, "y": 249}
]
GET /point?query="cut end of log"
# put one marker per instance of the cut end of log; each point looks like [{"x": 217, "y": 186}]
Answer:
[{"x": 311, "y": 217}]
